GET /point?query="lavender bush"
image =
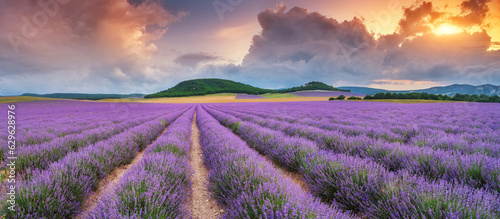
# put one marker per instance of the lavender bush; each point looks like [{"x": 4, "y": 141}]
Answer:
[
  {"x": 73, "y": 123},
  {"x": 158, "y": 186},
  {"x": 40, "y": 156},
  {"x": 357, "y": 184},
  {"x": 248, "y": 186},
  {"x": 61, "y": 188},
  {"x": 475, "y": 170}
]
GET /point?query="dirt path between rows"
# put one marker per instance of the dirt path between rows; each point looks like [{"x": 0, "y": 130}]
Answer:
[
  {"x": 202, "y": 205},
  {"x": 295, "y": 177},
  {"x": 108, "y": 183}
]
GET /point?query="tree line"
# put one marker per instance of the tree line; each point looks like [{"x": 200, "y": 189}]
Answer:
[{"x": 483, "y": 98}]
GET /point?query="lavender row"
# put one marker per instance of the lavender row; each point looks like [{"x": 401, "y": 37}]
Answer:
[
  {"x": 158, "y": 186},
  {"x": 37, "y": 132},
  {"x": 45, "y": 112},
  {"x": 466, "y": 143},
  {"x": 40, "y": 156},
  {"x": 469, "y": 122},
  {"x": 36, "y": 138},
  {"x": 62, "y": 187},
  {"x": 38, "y": 135},
  {"x": 398, "y": 122},
  {"x": 246, "y": 185},
  {"x": 61, "y": 118},
  {"x": 475, "y": 170},
  {"x": 435, "y": 138},
  {"x": 456, "y": 117},
  {"x": 361, "y": 185}
]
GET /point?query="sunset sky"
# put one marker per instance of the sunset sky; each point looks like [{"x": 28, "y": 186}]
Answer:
[{"x": 144, "y": 46}]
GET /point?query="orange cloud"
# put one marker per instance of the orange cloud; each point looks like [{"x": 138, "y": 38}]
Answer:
[
  {"x": 473, "y": 13},
  {"x": 51, "y": 35},
  {"x": 297, "y": 44},
  {"x": 417, "y": 19}
]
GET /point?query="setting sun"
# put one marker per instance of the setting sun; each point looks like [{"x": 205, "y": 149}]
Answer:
[{"x": 447, "y": 29}]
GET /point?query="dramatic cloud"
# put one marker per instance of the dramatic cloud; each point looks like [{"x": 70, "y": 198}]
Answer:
[
  {"x": 298, "y": 35},
  {"x": 298, "y": 45},
  {"x": 417, "y": 19},
  {"x": 107, "y": 39},
  {"x": 474, "y": 12},
  {"x": 124, "y": 46}
]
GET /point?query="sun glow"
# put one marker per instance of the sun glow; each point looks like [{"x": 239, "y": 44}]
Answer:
[{"x": 447, "y": 29}]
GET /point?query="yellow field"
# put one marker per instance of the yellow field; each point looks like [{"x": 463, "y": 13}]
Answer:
[
  {"x": 221, "y": 94},
  {"x": 272, "y": 96},
  {"x": 16, "y": 99},
  {"x": 220, "y": 98},
  {"x": 227, "y": 99}
]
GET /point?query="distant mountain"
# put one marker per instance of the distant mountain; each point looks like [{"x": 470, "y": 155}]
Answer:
[
  {"x": 213, "y": 86},
  {"x": 487, "y": 89},
  {"x": 450, "y": 90},
  {"x": 80, "y": 96}
]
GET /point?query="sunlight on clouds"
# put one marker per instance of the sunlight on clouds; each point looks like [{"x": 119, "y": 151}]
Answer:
[
  {"x": 494, "y": 47},
  {"x": 447, "y": 29},
  {"x": 237, "y": 32},
  {"x": 237, "y": 40}
]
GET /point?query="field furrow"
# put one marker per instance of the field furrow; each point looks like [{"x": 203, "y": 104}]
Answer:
[
  {"x": 246, "y": 184},
  {"x": 40, "y": 156},
  {"x": 407, "y": 128},
  {"x": 202, "y": 204},
  {"x": 478, "y": 171},
  {"x": 65, "y": 184},
  {"x": 157, "y": 185},
  {"x": 108, "y": 183},
  {"x": 358, "y": 184}
]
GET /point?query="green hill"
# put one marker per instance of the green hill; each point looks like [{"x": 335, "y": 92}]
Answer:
[
  {"x": 314, "y": 85},
  {"x": 208, "y": 86},
  {"x": 214, "y": 86}
]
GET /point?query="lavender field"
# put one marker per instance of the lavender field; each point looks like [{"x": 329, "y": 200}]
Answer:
[{"x": 336, "y": 159}]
